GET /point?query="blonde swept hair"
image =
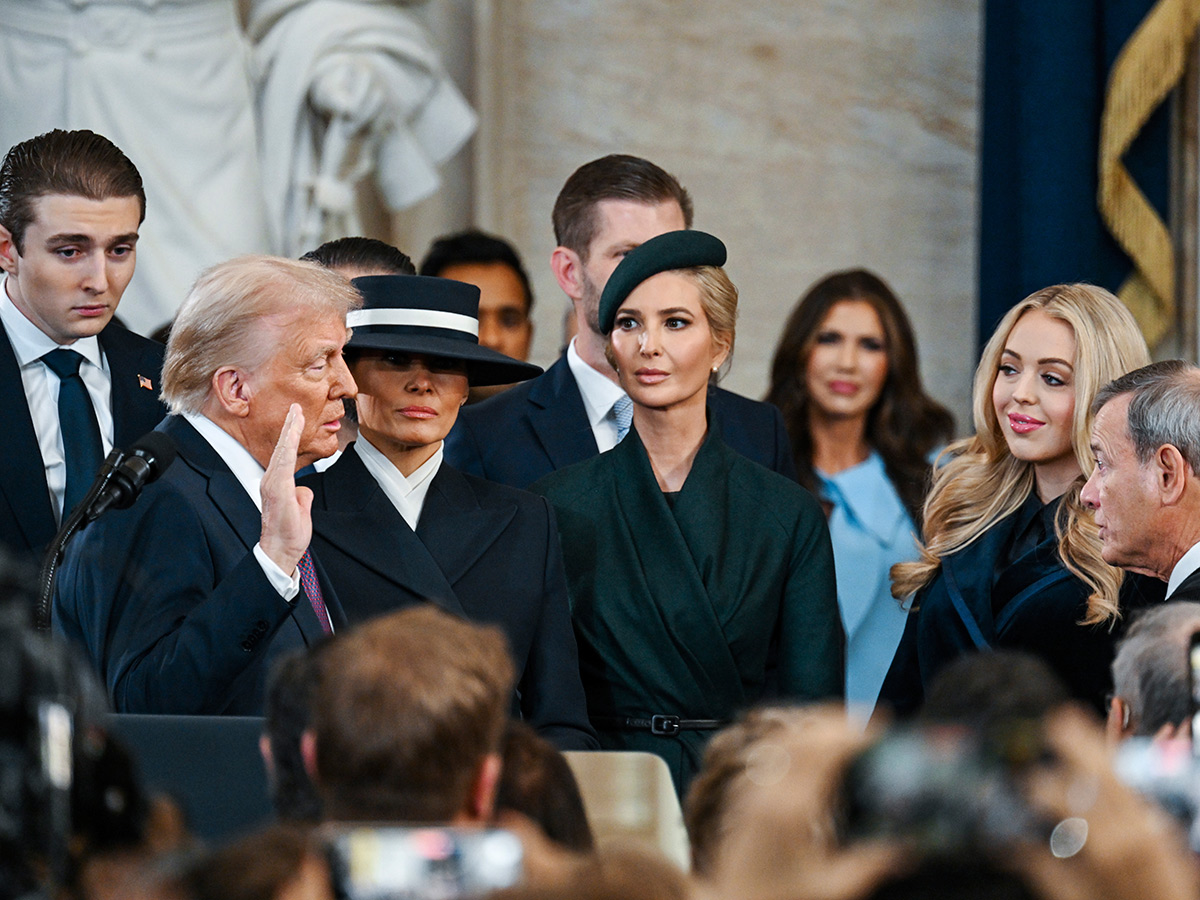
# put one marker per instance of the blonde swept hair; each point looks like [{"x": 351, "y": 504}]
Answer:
[
  {"x": 220, "y": 321},
  {"x": 718, "y": 300},
  {"x": 981, "y": 482}
]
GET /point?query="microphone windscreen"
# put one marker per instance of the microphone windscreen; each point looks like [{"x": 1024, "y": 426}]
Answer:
[{"x": 157, "y": 449}]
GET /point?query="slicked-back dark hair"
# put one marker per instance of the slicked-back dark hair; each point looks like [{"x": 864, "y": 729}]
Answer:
[
  {"x": 904, "y": 425},
  {"x": 475, "y": 247},
  {"x": 79, "y": 163},
  {"x": 362, "y": 253},
  {"x": 613, "y": 177}
]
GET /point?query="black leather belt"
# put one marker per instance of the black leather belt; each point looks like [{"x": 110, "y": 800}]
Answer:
[{"x": 664, "y": 726}]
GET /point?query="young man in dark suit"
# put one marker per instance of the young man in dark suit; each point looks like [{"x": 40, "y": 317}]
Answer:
[
  {"x": 183, "y": 600},
  {"x": 577, "y": 409},
  {"x": 75, "y": 383}
]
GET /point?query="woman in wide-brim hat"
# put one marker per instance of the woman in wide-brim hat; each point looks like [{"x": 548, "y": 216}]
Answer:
[
  {"x": 695, "y": 575},
  {"x": 394, "y": 525}
]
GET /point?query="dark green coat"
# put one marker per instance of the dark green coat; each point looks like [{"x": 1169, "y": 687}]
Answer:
[{"x": 681, "y": 608}]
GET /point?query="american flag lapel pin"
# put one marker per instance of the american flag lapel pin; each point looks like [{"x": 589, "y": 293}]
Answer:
[{"x": 145, "y": 382}]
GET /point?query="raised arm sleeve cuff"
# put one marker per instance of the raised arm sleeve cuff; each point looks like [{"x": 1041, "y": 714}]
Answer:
[{"x": 288, "y": 586}]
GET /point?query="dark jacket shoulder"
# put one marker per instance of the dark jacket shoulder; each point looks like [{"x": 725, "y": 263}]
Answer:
[
  {"x": 135, "y": 368},
  {"x": 569, "y": 485},
  {"x": 118, "y": 338}
]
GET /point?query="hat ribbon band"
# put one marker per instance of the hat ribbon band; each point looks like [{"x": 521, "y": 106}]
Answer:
[{"x": 421, "y": 318}]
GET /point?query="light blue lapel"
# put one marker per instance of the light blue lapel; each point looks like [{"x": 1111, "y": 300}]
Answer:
[{"x": 871, "y": 530}]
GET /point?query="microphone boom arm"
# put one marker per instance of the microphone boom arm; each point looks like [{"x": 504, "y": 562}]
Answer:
[{"x": 76, "y": 520}]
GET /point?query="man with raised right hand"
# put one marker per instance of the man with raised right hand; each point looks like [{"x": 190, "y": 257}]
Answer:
[{"x": 183, "y": 600}]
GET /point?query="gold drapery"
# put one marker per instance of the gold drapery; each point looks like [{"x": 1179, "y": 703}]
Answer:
[{"x": 1149, "y": 66}]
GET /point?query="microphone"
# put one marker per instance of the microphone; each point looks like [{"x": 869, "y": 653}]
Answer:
[
  {"x": 147, "y": 459},
  {"x": 118, "y": 483}
]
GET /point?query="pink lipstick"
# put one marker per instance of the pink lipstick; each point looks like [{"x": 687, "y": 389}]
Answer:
[{"x": 1022, "y": 424}]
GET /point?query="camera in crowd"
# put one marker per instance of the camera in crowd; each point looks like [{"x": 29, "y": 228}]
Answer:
[
  {"x": 946, "y": 789},
  {"x": 66, "y": 791},
  {"x": 1167, "y": 772},
  {"x": 951, "y": 790},
  {"x": 421, "y": 863}
]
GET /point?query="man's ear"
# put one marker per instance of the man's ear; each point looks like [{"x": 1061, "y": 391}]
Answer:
[
  {"x": 8, "y": 251},
  {"x": 1172, "y": 472},
  {"x": 308, "y": 753},
  {"x": 1119, "y": 724},
  {"x": 568, "y": 271},
  {"x": 231, "y": 389},
  {"x": 481, "y": 802}
]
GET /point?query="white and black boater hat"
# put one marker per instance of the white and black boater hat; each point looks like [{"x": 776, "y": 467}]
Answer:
[{"x": 432, "y": 317}]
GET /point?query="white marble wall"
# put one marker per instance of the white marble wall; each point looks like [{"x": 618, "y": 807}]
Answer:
[{"x": 813, "y": 136}]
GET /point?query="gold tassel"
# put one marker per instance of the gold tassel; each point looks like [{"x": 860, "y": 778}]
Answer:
[
  {"x": 1143, "y": 303},
  {"x": 1149, "y": 66}
]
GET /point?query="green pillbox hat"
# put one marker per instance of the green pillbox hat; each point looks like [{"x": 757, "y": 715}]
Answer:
[{"x": 673, "y": 250}]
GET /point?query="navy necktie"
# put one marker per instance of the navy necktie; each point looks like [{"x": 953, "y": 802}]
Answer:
[{"x": 82, "y": 448}]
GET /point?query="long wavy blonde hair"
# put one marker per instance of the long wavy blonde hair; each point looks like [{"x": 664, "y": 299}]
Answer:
[{"x": 981, "y": 482}]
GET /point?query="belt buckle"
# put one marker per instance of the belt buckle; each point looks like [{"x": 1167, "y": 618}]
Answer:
[{"x": 665, "y": 726}]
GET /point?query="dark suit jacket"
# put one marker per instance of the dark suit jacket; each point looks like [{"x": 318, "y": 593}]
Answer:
[
  {"x": 541, "y": 426},
  {"x": 1034, "y": 605},
  {"x": 482, "y": 551},
  {"x": 27, "y": 521},
  {"x": 1189, "y": 589},
  {"x": 168, "y": 600}
]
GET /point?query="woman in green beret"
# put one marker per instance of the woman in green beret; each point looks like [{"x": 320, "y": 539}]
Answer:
[{"x": 699, "y": 581}]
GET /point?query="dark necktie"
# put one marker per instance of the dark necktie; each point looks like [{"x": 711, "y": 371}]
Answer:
[
  {"x": 308, "y": 580},
  {"x": 82, "y": 448}
]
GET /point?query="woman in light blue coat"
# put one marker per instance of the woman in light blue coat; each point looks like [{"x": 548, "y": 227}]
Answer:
[{"x": 846, "y": 378}]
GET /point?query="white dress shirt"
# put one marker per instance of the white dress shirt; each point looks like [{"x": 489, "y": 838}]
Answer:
[
  {"x": 322, "y": 464},
  {"x": 1188, "y": 563},
  {"x": 599, "y": 394},
  {"x": 406, "y": 494},
  {"x": 29, "y": 345},
  {"x": 249, "y": 473}
]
